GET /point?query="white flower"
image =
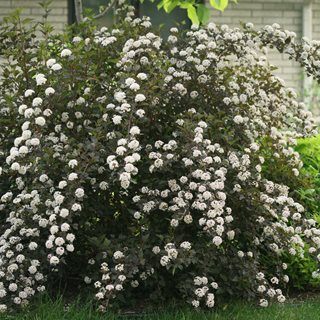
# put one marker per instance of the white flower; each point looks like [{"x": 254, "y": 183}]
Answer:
[
  {"x": 62, "y": 184},
  {"x": 210, "y": 300},
  {"x": 13, "y": 287},
  {"x": 137, "y": 215},
  {"x": 76, "y": 39},
  {"x": 40, "y": 79},
  {"x": 37, "y": 102},
  {"x": 122, "y": 277},
  {"x": 54, "y": 229},
  {"x": 186, "y": 245},
  {"x": 28, "y": 93},
  {"x": 134, "y": 130},
  {"x": 238, "y": 119},
  {"x": 32, "y": 269},
  {"x": 134, "y": 86},
  {"x": 72, "y": 163},
  {"x": 34, "y": 142},
  {"x": 56, "y": 67},
  {"x": 140, "y": 97},
  {"x": 116, "y": 119},
  {"x": 76, "y": 207},
  {"x": 3, "y": 308},
  {"x": 156, "y": 250},
  {"x": 199, "y": 292},
  {"x": 79, "y": 193},
  {"x": 40, "y": 121},
  {"x": 49, "y": 91},
  {"x": 72, "y": 176},
  {"x": 120, "y": 96},
  {"x": 80, "y": 101},
  {"x": 172, "y": 253},
  {"x": 65, "y": 53},
  {"x": 164, "y": 260},
  {"x": 15, "y": 166},
  {"x": 49, "y": 244},
  {"x": 110, "y": 287},
  {"x": 118, "y": 255},
  {"x": 54, "y": 260},
  {"x": 188, "y": 219},
  {"x": 217, "y": 240},
  {"x": 65, "y": 227},
  {"x": 60, "y": 251},
  {"x": 140, "y": 113},
  {"x": 195, "y": 303},
  {"x": 119, "y": 287},
  {"x": 70, "y": 247},
  {"x": 263, "y": 303},
  {"x": 295, "y": 172},
  {"x": 50, "y": 62},
  {"x": 70, "y": 237},
  {"x": 28, "y": 113},
  {"x": 174, "y": 223},
  {"x": 142, "y": 76}
]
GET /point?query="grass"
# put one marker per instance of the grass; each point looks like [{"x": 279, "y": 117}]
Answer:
[{"x": 292, "y": 310}]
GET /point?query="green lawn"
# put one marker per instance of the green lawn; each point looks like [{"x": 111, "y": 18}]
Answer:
[{"x": 292, "y": 310}]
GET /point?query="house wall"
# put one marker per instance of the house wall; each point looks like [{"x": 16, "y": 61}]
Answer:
[
  {"x": 58, "y": 16},
  {"x": 288, "y": 13},
  {"x": 316, "y": 19}
]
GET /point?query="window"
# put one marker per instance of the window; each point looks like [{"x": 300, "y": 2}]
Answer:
[{"x": 158, "y": 17}]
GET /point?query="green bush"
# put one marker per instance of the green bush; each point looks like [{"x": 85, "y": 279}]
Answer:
[
  {"x": 141, "y": 167},
  {"x": 309, "y": 150},
  {"x": 303, "y": 269}
]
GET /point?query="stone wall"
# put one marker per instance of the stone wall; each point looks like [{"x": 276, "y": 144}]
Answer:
[{"x": 58, "y": 16}]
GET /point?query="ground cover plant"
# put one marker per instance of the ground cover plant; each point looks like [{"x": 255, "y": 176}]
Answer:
[
  {"x": 138, "y": 168},
  {"x": 307, "y": 188}
]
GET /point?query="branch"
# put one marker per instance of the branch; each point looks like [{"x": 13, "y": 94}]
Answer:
[
  {"x": 78, "y": 10},
  {"x": 105, "y": 11}
]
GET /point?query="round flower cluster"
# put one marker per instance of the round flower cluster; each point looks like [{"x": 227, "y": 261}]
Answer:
[{"x": 142, "y": 165}]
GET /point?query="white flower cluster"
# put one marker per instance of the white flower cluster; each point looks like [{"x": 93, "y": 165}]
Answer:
[{"x": 202, "y": 292}]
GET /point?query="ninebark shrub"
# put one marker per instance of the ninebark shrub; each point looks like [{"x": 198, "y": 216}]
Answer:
[{"x": 138, "y": 166}]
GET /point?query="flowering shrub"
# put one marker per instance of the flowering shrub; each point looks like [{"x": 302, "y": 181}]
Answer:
[{"x": 138, "y": 166}]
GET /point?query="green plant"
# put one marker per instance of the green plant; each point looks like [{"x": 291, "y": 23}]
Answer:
[
  {"x": 302, "y": 267},
  {"x": 309, "y": 150},
  {"x": 198, "y": 12}
]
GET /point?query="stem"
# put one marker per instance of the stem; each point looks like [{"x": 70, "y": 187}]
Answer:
[
  {"x": 78, "y": 10},
  {"x": 105, "y": 11}
]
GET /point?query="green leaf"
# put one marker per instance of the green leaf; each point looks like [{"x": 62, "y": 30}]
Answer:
[
  {"x": 203, "y": 13},
  {"x": 192, "y": 15},
  {"x": 160, "y": 4},
  {"x": 192, "y": 12},
  {"x": 219, "y": 4},
  {"x": 169, "y": 5}
]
